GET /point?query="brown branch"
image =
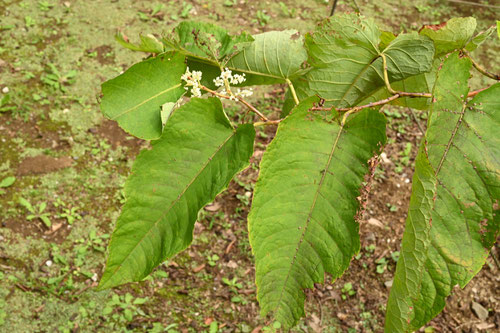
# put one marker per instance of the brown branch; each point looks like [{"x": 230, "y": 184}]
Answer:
[{"x": 398, "y": 95}]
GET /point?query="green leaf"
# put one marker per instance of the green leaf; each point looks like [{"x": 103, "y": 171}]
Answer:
[
  {"x": 27, "y": 205},
  {"x": 134, "y": 99},
  {"x": 6, "y": 182},
  {"x": 302, "y": 224},
  {"x": 194, "y": 160},
  {"x": 452, "y": 35},
  {"x": 347, "y": 66},
  {"x": 166, "y": 112},
  {"x": 275, "y": 55},
  {"x": 148, "y": 44},
  {"x": 205, "y": 41},
  {"x": 46, "y": 220},
  {"x": 479, "y": 39},
  {"x": 454, "y": 217}
]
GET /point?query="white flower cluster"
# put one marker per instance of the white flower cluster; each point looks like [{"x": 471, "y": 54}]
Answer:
[
  {"x": 228, "y": 76},
  {"x": 192, "y": 80},
  {"x": 224, "y": 80}
]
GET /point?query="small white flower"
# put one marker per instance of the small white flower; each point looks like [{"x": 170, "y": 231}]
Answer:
[
  {"x": 5, "y": 90},
  {"x": 192, "y": 79},
  {"x": 244, "y": 92}
]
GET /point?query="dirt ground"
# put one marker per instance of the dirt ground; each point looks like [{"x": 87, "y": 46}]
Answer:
[{"x": 70, "y": 164}]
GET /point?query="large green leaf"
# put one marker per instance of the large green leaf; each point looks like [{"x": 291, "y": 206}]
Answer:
[
  {"x": 134, "y": 99},
  {"x": 274, "y": 55},
  {"x": 454, "y": 215},
  {"x": 196, "y": 157},
  {"x": 347, "y": 65},
  {"x": 302, "y": 224},
  {"x": 452, "y": 35}
]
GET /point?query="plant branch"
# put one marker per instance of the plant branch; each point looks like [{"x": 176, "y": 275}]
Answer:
[
  {"x": 397, "y": 95},
  {"x": 481, "y": 69},
  {"x": 252, "y": 108},
  {"x": 415, "y": 118},
  {"x": 292, "y": 90},
  {"x": 239, "y": 98},
  {"x": 267, "y": 123},
  {"x": 334, "y": 5}
]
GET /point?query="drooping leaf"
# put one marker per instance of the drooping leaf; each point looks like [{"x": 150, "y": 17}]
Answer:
[
  {"x": 452, "y": 35},
  {"x": 166, "y": 112},
  {"x": 148, "y": 44},
  {"x": 301, "y": 224},
  {"x": 134, "y": 99},
  {"x": 454, "y": 215},
  {"x": 347, "y": 65},
  {"x": 274, "y": 55},
  {"x": 194, "y": 160}
]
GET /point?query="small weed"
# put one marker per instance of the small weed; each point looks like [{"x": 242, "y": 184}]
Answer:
[
  {"x": 36, "y": 213},
  {"x": 212, "y": 259},
  {"x": 29, "y": 22},
  {"x": 262, "y": 18},
  {"x": 45, "y": 6},
  {"x": 381, "y": 265},
  {"x": 230, "y": 3},
  {"x": 56, "y": 79},
  {"x": 347, "y": 290},
  {"x": 392, "y": 208},
  {"x": 124, "y": 308},
  {"x": 286, "y": 11},
  {"x": 186, "y": 9}
]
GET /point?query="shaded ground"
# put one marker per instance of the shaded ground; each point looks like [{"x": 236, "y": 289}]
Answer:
[{"x": 53, "y": 57}]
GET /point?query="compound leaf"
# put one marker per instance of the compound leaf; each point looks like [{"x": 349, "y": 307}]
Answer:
[
  {"x": 454, "y": 216},
  {"x": 302, "y": 224},
  {"x": 194, "y": 160},
  {"x": 134, "y": 99}
]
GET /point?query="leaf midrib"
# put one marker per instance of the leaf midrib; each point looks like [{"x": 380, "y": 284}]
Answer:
[
  {"x": 309, "y": 215},
  {"x": 146, "y": 101},
  {"x": 219, "y": 148}
]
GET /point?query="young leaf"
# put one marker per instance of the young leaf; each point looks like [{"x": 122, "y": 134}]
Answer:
[
  {"x": 275, "y": 55},
  {"x": 454, "y": 216},
  {"x": 205, "y": 41},
  {"x": 194, "y": 160},
  {"x": 347, "y": 64},
  {"x": 479, "y": 39},
  {"x": 452, "y": 35},
  {"x": 134, "y": 99},
  {"x": 301, "y": 224},
  {"x": 148, "y": 44}
]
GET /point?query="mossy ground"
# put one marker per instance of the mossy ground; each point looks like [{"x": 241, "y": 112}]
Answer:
[{"x": 53, "y": 57}]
